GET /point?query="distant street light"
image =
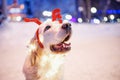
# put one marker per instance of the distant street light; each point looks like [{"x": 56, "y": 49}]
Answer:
[
  {"x": 47, "y": 13},
  {"x": 93, "y": 10},
  {"x": 105, "y": 19},
  {"x": 80, "y": 20},
  {"x": 80, "y": 8},
  {"x": 96, "y": 21},
  {"x": 68, "y": 17},
  {"x": 112, "y": 17}
]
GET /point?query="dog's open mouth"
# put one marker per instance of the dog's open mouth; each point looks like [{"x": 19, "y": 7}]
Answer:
[{"x": 61, "y": 47}]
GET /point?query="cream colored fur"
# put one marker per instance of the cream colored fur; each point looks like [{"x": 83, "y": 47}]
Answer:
[{"x": 43, "y": 64}]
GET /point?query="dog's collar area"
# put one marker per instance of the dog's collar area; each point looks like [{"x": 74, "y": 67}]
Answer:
[{"x": 38, "y": 39}]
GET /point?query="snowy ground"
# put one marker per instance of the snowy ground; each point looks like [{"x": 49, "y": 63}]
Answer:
[{"x": 95, "y": 53}]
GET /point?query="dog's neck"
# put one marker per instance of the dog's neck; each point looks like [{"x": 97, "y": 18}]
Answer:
[{"x": 49, "y": 64}]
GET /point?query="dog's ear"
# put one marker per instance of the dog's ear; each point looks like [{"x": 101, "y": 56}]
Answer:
[
  {"x": 35, "y": 57},
  {"x": 32, "y": 45},
  {"x": 35, "y": 51}
]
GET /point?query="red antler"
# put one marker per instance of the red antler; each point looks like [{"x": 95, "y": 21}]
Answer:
[
  {"x": 33, "y": 20},
  {"x": 56, "y": 15},
  {"x": 38, "y": 39},
  {"x": 37, "y": 32}
]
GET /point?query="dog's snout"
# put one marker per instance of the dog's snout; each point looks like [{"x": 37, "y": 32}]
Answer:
[{"x": 66, "y": 26}]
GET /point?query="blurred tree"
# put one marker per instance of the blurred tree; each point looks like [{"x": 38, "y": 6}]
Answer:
[
  {"x": 4, "y": 8},
  {"x": 88, "y": 3},
  {"x": 77, "y": 13},
  {"x": 108, "y": 2},
  {"x": 28, "y": 7},
  {"x": 85, "y": 13}
]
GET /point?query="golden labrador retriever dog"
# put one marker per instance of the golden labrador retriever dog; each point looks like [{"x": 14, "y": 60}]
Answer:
[{"x": 47, "y": 51}]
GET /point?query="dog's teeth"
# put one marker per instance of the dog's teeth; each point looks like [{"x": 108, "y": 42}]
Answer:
[
  {"x": 67, "y": 44},
  {"x": 63, "y": 45}
]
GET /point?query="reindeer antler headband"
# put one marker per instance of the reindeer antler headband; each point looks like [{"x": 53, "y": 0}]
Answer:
[{"x": 55, "y": 16}]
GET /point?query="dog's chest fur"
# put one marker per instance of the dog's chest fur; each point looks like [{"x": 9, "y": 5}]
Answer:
[{"x": 50, "y": 66}]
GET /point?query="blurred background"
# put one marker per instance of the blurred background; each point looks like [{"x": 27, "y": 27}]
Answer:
[
  {"x": 79, "y": 11},
  {"x": 95, "y": 40}
]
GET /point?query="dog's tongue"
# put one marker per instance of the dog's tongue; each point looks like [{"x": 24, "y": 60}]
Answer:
[
  {"x": 60, "y": 44},
  {"x": 61, "y": 47},
  {"x": 63, "y": 44}
]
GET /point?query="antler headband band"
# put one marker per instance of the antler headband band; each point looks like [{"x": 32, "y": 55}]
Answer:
[{"x": 55, "y": 16}]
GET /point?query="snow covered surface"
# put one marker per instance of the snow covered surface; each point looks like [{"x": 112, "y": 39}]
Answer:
[{"x": 95, "y": 53}]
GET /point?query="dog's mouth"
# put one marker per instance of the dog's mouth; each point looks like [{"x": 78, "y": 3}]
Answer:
[{"x": 63, "y": 46}]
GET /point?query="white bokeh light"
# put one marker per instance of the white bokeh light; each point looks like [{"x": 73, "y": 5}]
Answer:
[
  {"x": 118, "y": 20},
  {"x": 80, "y": 8},
  {"x": 93, "y": 10},
  {"x": 68, "y": 17},
  {"x": 105, "y": 19},
  {"x": 112, "y": 17},
  {"x": 96, "y": 21},
  {"x": 47, "y": 13},
  {"x": 18, "y": 18},
  {"x": 80, "y": 20}
]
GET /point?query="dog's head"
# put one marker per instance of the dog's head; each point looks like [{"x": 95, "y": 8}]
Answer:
[{"x": 54, "y": 36}]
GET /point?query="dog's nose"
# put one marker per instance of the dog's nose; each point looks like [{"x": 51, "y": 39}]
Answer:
[{"x": 66, "y": 26}]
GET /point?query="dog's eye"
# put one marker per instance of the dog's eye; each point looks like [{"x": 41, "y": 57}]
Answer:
[{"x": 46, "y": 28}]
